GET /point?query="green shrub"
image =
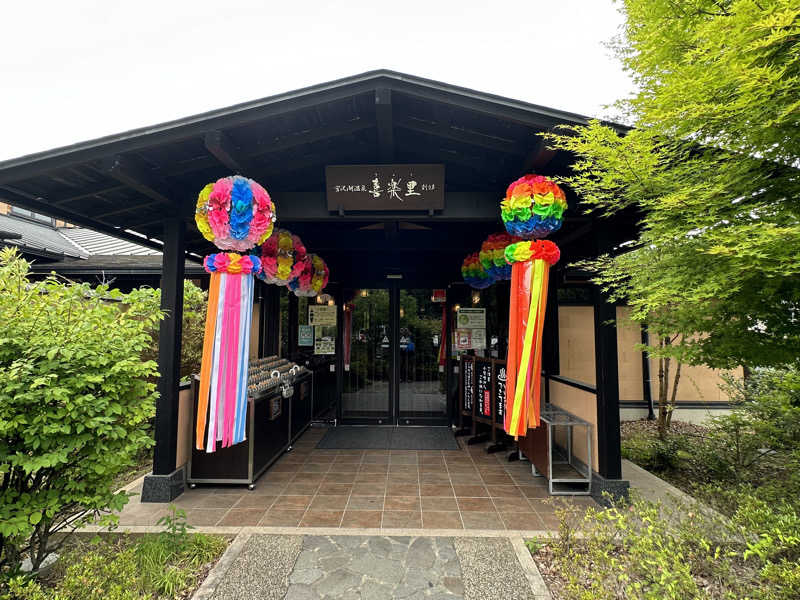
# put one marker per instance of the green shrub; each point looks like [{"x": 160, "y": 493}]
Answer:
[
  {"x": 653, "y": 453},
  {"x": 126, "y": 569},
  {"x": 75, "y": 400},
  {"x": 648, "y": 551},
  {"x": 758, "y": 443},
  {"x": 193, "y": 324}
]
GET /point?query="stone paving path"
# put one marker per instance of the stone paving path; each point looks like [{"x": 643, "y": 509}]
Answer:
[{"x": 377, "y": 567}]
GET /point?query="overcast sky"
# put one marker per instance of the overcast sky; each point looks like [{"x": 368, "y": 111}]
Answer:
[{"x": 73, "y": 70}]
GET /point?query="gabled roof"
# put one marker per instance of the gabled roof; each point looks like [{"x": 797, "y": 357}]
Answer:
[
  {"x": 125, "y": 184},
  {"x": 39, "y": 238},
  {"x": 96, "y": 243}
]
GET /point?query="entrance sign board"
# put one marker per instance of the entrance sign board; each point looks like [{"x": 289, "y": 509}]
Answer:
[
  {"x": 323, "y": 344},
  {"x": 484, "y": 388},
  {"x": 500, "y": 392},
  {"x": 472, "y": 318},
  {"x": 305, "y": 335},
  {"x": 322, "y": 315},
  {"x": 478, "y": 339},
  {"x": 385, "y": 187}
]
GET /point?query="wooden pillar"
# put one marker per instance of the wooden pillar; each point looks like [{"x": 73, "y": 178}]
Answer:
[
  {"x": 166, "y": 482},
  {"x": 607, "y": 373},
  {"x": 293, "y": 321},
  {"x": 270, "y": 320}
]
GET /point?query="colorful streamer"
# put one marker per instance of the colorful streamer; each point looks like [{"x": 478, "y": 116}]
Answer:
[
  {"x": 236, "y": 214},
  {"x": 533, "y": 208},
  {"x": 222, "y": 403}
]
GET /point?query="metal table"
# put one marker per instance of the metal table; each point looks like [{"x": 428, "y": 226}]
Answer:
[{"x": 565, "y": 477}]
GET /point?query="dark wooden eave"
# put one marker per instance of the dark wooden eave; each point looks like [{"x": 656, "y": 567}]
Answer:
[{"x": 127, "y": 184}]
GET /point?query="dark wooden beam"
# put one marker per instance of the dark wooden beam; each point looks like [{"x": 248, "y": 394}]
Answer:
[
  {"x": 461, "y": 134},
  {"x": 383, "y": 119},
  {"x": 279, "y": 145},
  {"x": 538, "y": 158},
  {"x": 222, "y": 148},
  {"x": 133, "y": 175},
  {"x": 128, "y": 208},
  {"x": 88, "y": 191}
]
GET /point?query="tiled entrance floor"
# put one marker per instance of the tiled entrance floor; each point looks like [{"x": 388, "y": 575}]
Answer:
[{"x": 430, "y": 489}]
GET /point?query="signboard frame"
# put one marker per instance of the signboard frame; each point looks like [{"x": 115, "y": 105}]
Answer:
[{"x": 386, "y": 187}]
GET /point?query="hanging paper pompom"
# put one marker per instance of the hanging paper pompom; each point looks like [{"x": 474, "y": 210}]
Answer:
[
  {"x": 313, "y": 277},
  {"x": 531, "y": 250},
  {"x": 492, "y": 255},
  {"x": 319, "y": 278},
  {"x": 533, "y": 207},
  {"x": 230, "y": 262},
  {"x": 474, "y": 274},
  {"x": 301, "y": 285},
  {"x": 282, "y": 257},
  {"x": 235, "y": 213}
]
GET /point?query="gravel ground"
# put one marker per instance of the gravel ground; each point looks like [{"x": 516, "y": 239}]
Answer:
[
  {"x": 491, "y": 570},
  {"x": 261, "y": 571},
  {"x": 644, "y": 427}
]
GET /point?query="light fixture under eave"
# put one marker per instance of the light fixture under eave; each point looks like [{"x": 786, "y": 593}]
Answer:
[
  {"x": 476, "y": 297},
  {"x": 457, "y": 307}
]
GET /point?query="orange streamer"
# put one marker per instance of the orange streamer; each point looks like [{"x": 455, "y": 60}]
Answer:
[{"x": 205, "y": 365}]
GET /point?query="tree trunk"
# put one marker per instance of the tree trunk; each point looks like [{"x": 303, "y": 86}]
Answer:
[
  {"x": 674, "y": 396},
  {"x": 663, "y": 384}
]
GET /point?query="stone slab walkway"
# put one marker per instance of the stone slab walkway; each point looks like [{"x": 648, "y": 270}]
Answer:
[{"x": 374, "y": 567}]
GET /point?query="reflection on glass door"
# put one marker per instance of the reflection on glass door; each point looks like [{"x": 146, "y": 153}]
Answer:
[
  {"x": 421, "y": 391},
  {"x": 366, "y": 394}
]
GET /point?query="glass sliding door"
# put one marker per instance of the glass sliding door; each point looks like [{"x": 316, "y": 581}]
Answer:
[
  {"x": 366, "y": 391},
  {"x": 421, "y": 397}
]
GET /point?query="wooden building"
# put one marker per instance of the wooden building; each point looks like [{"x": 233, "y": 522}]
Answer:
[{"x": 142, "y": 186}]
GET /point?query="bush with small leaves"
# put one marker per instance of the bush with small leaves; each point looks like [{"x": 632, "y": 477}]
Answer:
[{"x": 75, "y": 400}]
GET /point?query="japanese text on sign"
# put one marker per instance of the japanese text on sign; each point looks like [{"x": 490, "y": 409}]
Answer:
[{"x": 385, "y": 187}]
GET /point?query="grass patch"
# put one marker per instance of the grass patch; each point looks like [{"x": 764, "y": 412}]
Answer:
[
  {"x": 646, "y": 551},
  {"x": 165, "y": 566}
]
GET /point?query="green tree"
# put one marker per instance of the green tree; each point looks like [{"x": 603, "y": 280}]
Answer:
[
  {"x": 75, "y": 401},
  {"x": 710, "y": 168}
]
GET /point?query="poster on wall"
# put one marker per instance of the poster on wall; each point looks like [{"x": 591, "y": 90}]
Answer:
[
  {"x": 305, "y": 335},
  {"x": 462, "y": 339},
  {"x": 471, "y": 318},
  {"x": 322, "y": 315},
  {"x": 478, "y": 339},
  {"x": 323, "y": 344}
]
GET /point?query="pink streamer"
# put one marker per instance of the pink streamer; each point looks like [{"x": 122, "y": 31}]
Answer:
[{"x": 233, "y": 301}]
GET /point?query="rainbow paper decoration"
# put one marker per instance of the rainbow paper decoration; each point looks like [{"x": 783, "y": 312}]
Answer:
[
  {"x": 474, "y": 274},
  {"x": 222, "y": 400},
  {"x": 492, "y": 256},
  {"x": 282, "y": 256},
  {"x": 533, "y": 207},
  {"x": 313, "y": 277},
  {"x": 235, "y": 213}
]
